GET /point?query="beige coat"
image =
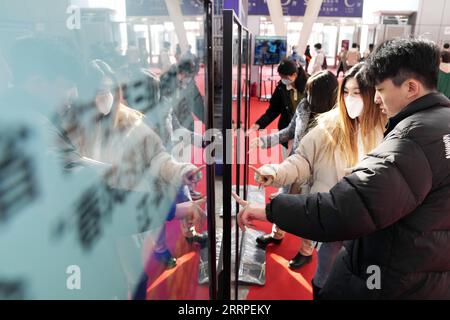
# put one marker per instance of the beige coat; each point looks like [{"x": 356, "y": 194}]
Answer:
[
  {"x": 134, "y": 149},
  {"x": 311, "y": 169}
]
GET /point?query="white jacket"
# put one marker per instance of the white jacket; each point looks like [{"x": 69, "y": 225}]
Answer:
[
  {"x": 135, "y": 150},
  {"x": 310, "y": 166},
  {"x": 316, "y": 63}
]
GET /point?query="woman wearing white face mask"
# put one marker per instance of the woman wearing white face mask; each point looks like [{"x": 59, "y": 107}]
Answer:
[
  {"x": 321, "y": 97},
  {"x": 116, "y": 135},
  {"x": 104, "y": 129},
  {"x": 104, "y": 102},
  {"x": 326, "y": 154}
]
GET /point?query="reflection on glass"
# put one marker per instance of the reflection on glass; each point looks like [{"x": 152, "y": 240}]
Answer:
[{"x": 102, "y": 178}]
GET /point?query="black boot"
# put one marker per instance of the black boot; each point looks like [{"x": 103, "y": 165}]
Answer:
[
  {"x": 316, "y": 291},
  {"x": 265, "y": 239},
  {"x": 299, "y": 260}
]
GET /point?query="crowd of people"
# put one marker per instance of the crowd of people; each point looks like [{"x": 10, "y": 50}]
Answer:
[{"x": 368, "y": 175}]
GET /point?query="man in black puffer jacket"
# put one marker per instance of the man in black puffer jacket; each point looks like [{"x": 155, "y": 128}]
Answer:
[{"x": 395, "y": 206}]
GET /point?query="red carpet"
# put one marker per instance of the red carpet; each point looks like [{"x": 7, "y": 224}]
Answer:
[
  {"x": 281, "y": 282},
  {"x": 181, "y": 283}
]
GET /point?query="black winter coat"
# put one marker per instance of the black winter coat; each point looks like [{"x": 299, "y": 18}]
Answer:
[
  {"x": 280, "y": 103},
  {"x": 395, "y": 207}
]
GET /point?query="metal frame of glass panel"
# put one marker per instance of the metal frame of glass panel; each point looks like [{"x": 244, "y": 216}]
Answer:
[
  {"x": 210, "y": 172},
  {"x": 229, "y": 276}
]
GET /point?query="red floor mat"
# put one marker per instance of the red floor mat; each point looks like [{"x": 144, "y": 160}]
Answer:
[{"x": 182, "y": 282}]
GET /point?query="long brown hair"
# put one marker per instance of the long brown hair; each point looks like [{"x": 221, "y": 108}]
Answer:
[{"x": 342, "y": 136}]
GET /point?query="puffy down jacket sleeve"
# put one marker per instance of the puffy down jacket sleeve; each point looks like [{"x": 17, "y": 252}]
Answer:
[{"x": 387, "y": 185}]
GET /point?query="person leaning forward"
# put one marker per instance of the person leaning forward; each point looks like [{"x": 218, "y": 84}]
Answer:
[{"x": 394, "y": 209}]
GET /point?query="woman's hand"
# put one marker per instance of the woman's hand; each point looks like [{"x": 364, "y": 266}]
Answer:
[
  {"x": 265, "y": 175},
  {"x": 348, "y": 171},
  {"x": 191, "y": 211},
  {"x": 192, "y": 177},
  {"x": 250, "y": 213}
]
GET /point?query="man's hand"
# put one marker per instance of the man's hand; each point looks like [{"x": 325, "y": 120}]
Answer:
[
  {"x": 192, "y": 177},
  {"x": 191, "y": 211},
  {"x": 264, "y": 175},
  {"x": 250, "y": 213}
]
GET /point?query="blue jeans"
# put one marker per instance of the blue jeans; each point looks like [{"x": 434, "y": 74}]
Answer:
[{"x": 327, "y": 254}]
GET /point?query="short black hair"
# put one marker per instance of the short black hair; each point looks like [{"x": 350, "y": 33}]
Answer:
[
  {"x": 445, "y": 55},
  {"x": 354, "y": 45},
  {"x": 446, "y": 45},
  {"x": 401, "y": 59},
  {"x": 287, "y": 67},
  {"x": 186, "y": 66},
  {"x": 318, "y": 46},
  {"x": 371, "y": 46},
  {"x": 46, "y": 57}
]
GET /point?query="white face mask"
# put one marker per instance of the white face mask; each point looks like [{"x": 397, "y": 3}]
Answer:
[
  {"x": 354, "y": 105},
  {"x": 286, "y": 82},
  {"x": 104, "y": 102}
]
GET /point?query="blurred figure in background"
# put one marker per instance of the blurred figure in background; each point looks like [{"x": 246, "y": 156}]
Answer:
[
  {"x": 368, "y": 51},
  {"x": 143, "y": 53},
  {"x": 297, "y": 58},
  {"x": 308, "y": 57},
  {"x": 177, "y": 52},
  {"x": 342, "y": 58},
  {"x": 353, "y": 56},
  {"x": 444, "y": 74},
  {"x": 318, "y": 60},
  {"x": 191, "y": 99},
  {"x": 164, "y": 57}
]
